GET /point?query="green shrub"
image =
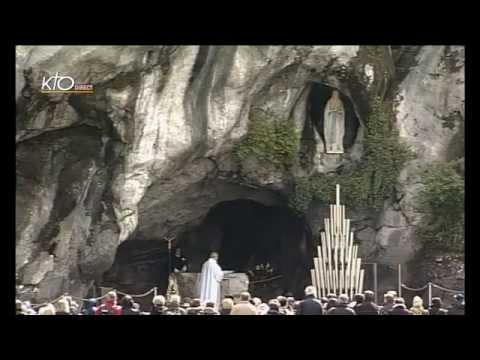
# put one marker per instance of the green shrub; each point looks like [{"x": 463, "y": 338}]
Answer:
[
  {"x": 442, "y": 201},
  {"x": 270, "y": 141}
]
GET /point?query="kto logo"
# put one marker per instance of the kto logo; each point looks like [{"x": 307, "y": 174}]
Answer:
[{"x": 64, "y": 84}]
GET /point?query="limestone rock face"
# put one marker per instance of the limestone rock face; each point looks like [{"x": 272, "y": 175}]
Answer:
[
  {"x": 151, "y": 150},
  {"x": 430, "y": 119}
]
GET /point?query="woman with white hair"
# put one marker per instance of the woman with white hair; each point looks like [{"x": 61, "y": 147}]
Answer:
[
  {"x": 48, "y": 309},
  {"x": 417, "y": 308},
  {"x": 63, "y": 307},
  {"x": 158, "y": 307},
  {"x": 174, "y": 306}
]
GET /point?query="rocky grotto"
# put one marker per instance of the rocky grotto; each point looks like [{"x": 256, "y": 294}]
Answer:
[{"x": 223, "y": 147}]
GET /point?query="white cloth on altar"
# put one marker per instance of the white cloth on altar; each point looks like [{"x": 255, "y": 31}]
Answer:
[{"x": 210, "y": 280}]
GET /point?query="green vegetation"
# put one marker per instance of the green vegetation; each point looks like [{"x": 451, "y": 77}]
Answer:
[
  {"x": 442, "y": 201},
  {"x": 270, "y": 141},
  {"x": 373, "y": 179}
]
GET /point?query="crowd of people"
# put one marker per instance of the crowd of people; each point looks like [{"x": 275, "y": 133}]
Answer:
[{"x": 361, "y": 304}]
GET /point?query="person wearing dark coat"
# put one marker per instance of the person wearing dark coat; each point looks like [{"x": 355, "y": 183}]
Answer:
[
  {"x": 128, "y": 306},
  {"x": 310, "y": 305},
  {"x": 389, "y": 302},
  {"x": 195, "y": 308},
  {"x": 399, "y": 307},
  {"x": 459, "y": 307},
  {"x": 368, "y": 306},
  {"x": 89, "y": 308},
  {"x": 274, "y": 308},
  {"x": 436, "y": 307},
  {"x": 158, "y": 307},
  {"x": 358, "y": 300},
  {"x": 210, "y": 309},
  {"x": 342, "y": 307},
  {"x": 331, "y": 303}
]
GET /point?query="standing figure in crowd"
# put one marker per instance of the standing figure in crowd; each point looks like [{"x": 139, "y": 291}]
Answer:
[
  {"x": 368, "y": 306},
  {"x": 210, "y": 309},
  {"x": 388, "y": 302},
  {"x": 227, "y": 305},
  {"x": 342, "y": 307},
  {"x": 195, "y": 307},
  {"x": 458, "y": 308},
  {"x": 90, "y": 307},
  {"x": 63, "y": 307},
  {"x": 399, "y": 307},
  {"x": 436, "y": 307},
  {"x": 174, "y": 306},
  {"x": 310, "y": 305},
  {"x": 210, "y": 280},
  {"x": 48, "y": 309},
  {"x": 128, "y": 306},
  {"x": 417, "y": 308},
  {"x": 158, "y": 305},
  {"x": 274, "y": 308},
  {"x": 244, "y": 307},
  {"x": 109, "y": 307},
  {"x": 357, "y": 302}
]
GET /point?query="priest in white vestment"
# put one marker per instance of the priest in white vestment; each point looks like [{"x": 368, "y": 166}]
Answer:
[{"x": 210, "y": 280}]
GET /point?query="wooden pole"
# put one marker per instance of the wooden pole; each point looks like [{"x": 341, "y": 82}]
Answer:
[{"x": 375, "y": 283}]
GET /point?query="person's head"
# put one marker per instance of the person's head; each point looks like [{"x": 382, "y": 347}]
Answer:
[
  {"x": 399, "y": 300},
  {"x": 159, "y": 300},
  {"x": 18, "y": 305},
  {"x": 310, "y": 291},
  {"x": 48, "y": 309},
  {"x": 331, "y": 295},
  {"x": 263, "y": 309},
  {"x": 273, "y": 304},
  {"x": 227, "y": 304},
  {"x": 459, "y": 298},
  {"x": 417, "y": 302},
  {"x": 393, "y": 292},
  {"x": 136, "y": 306},
  {"x": 290, "y": 300},
  {"x": 210, "y": 304},
  {"x": 214, "y": 255},
  {"x": 369, "y": 296},
  {"x": 343, "y": 299},
  {"x": 127, "y": 302},
  {"x": 63, "y": 305},
  {"x": 436, "y": 302},
  {"x": 358, "y": 298},
  {"x": 245, "y": 296},
  {"x": 257, "y": 301},
  {"x": 175, "y": 300},
  {"x": 178, "y": 252},
  {"x": 388, "y": 298},
  {"x": 332, "y": 301},
  {"x": 324, "y": 300},
  {"x": 196, "y": 303},
  {"x": 282, "y": 300},
  {"x": 112, "y": 297}
]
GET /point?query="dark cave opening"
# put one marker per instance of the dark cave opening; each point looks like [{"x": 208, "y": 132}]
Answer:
[
  {"x": 317, "y": 100},
  {"x": 244, "y": 232}
]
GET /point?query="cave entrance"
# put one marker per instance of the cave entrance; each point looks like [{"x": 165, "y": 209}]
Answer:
[
  {"x": 317, "y": 100},
  {"x": 266, "y": 242},
  {"x": 245, "y": 233}
]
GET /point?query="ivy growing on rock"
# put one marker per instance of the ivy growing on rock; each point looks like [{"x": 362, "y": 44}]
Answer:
[
  {"x": 270, "y": 141},
  {"x": 373, "y": 179},
  {"x": 442, "y": 202}
]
